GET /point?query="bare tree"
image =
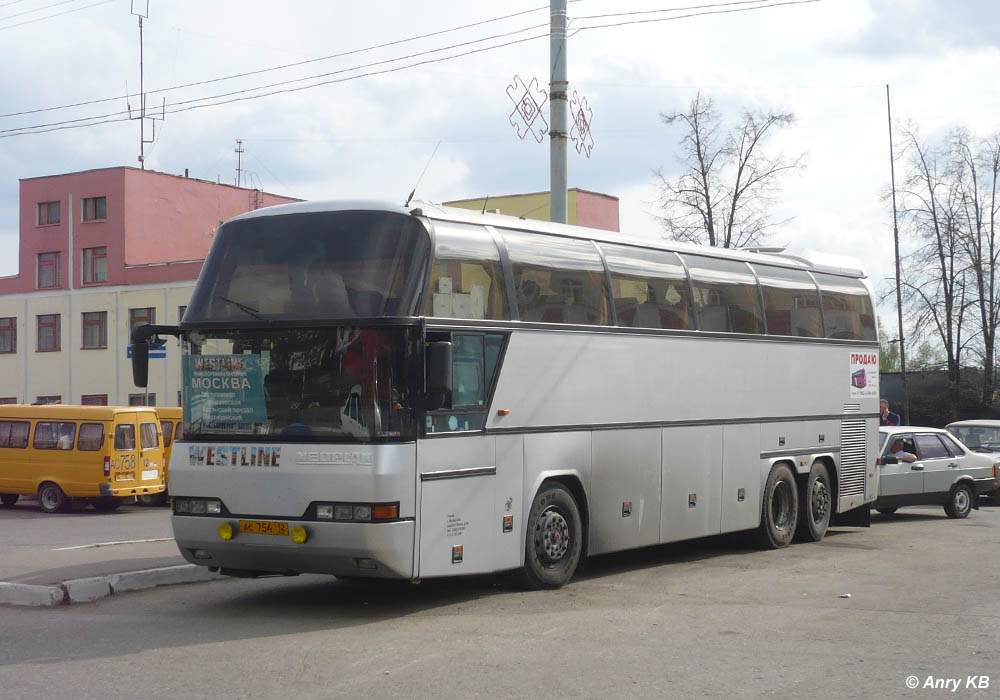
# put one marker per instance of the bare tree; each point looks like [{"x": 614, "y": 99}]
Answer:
[
  {"x": 937, "y": 276},
  {"x": 977, "y": 178},
  {"x": 723, "y": 197}
]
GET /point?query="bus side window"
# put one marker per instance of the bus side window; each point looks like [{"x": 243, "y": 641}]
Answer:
[
  {"x": 847, "y": 308},
  {"x": 558, "y": 280},
  {"x": 124, "y": 437},
  {"x": 725, "y": 295},
  {"x": 14, "y": 433},
  {"x": 54, "y": 436},
  {"x": 466, "y": 278},
  {"x": 167, "y": 427},
  {"x": 650, "y": 288},
  {"x": 791, "y": 302},
  {"x": 91, "y": 437}
]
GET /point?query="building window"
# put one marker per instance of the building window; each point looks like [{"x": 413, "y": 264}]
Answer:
[
  {"x": 8, "y": 334},
  {"x": 95, "y": 265},
  {"x": 95, "y": 208},
  {"x": 95, "y": 329},
  {"x": 7, "y": 400},
  {"x": 180, "y": 313},
  {"x": 94, "y": 400},
  {"x": 142, "y": 399},
  {"x": 41, "y": 400},
  {"x": 140, "y": 317},
  {"x": 48, "y": 213},
  {"x": 48, "y": 333},
  {"x": 48, "y": 270}
]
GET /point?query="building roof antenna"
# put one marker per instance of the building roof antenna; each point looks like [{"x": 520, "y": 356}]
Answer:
[{"x": 414, "y": 190}]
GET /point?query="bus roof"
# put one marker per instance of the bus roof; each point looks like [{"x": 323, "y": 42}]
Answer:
[
  {"x": 798, "y": 258},
  {"x": 56, "y": 411}
]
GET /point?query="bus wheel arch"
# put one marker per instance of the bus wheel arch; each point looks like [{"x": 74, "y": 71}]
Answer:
[
  {"x": 52, "y": 499},
  {"x": 555, "y": 534},
  {"x": 779, "y": 507},
  {"x": 816, "y": 501}
]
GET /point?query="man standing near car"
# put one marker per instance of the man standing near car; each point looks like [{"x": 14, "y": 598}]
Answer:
[{"x": 885, "y": 416}]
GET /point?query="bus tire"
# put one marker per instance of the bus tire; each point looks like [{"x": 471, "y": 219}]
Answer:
[
  {"x": 815, "y": 504},
  {"x": 959, "y": 503},
  {"x": 8, "y": 499},
  {"x": 779, "y": 509},
  {"x": 53, "y": 499},
  {"x": 151, "y": 499},
  {"x": 554, "y": 539}
]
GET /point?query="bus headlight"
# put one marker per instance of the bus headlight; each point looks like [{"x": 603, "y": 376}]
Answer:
[
  {"x": 363, "y": 512},
  {"x": 324, "y": 511}
]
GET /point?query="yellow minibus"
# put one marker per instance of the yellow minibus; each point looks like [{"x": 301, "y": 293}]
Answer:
[
  {"x": 170, "y": 428},
  {"x": 97, "y": 454}
]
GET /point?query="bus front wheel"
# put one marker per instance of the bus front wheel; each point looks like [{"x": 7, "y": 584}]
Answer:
[
  {"x": 780, "y": 510},
  {"x": 554, "y": 539},
  {"x": 815, "y": 504},
  {"x": 53, "y": 499}
]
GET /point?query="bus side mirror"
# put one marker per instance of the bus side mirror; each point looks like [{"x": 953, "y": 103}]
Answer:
[
  {"x": 438, "y": 374},
  {"x": 140, "y": 363}
]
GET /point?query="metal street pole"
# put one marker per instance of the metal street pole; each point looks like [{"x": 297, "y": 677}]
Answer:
[
  {"x": 559, "y": 111},
  {"x": 899, "y": 297}
]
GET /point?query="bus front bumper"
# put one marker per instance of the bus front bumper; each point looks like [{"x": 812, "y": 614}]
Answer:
[{"x": 377, "y": 550}]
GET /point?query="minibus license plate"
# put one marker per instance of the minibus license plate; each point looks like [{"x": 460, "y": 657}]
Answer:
[{"x": 264, "y": 527}]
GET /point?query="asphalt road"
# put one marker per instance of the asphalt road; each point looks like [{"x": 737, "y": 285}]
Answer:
[{"x": 709, "y": 619}]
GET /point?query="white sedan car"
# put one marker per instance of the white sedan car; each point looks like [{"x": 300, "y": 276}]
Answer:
[
  {"x": 981, "y": 436},
  {"x": 929, "y": 466}
]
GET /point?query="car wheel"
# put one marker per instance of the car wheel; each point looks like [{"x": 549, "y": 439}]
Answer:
[
  {"x": 554, "y": 539},
  {"x": 53, "y": 499},
  {"x": 959, "y": 503},
  {"x": 887, "y": 511},
  {"x": 815, "y": 504},
  {"x": 779, "y": 510},
  {"x": 8, "y": 499}
]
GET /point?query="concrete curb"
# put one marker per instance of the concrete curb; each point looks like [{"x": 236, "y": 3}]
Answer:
[{"x": 87, "y": 590}]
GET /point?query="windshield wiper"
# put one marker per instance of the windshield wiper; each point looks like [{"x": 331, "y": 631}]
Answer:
[{"x": 243, "y": 307}]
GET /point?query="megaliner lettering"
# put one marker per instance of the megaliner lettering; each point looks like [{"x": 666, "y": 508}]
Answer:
[
  {"x": 220, "y": 383},
  {"x": 864, "y": 358}
]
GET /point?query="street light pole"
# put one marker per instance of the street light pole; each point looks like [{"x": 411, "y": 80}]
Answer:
[{"x": 899, "y": 297}]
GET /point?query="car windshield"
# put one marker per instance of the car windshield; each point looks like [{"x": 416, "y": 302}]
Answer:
[
  {"x": 978, "y": 438},
  {"x": 339, "y": 384}
]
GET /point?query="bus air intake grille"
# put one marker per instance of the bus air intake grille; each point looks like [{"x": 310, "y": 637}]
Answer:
[
  {"x": 852, "y": 408},
  {"x": 853, "y": 457}
]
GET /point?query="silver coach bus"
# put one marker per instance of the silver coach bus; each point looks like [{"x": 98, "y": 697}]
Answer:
[{"x": 411, "y": 392}]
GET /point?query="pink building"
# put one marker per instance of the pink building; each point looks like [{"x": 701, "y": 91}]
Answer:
[{"x": 102, "y": 251}]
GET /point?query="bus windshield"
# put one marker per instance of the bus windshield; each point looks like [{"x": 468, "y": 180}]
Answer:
[
  {"x": 313, "y": 265},
  {"x": 300, "y": 384}
]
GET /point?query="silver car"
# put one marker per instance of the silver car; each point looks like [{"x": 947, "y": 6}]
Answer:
[
  {"x": 929, "y": 466},
  {"x": 981, "y": 436}
]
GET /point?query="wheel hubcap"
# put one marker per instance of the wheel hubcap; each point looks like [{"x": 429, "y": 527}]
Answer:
[
  {"x": 781, "y": 505},
  {"x": 820, "y": 501},
  {"x": 961, "y": 500},
  {"x": 552, "y": 536},
  {"x": 49, "y": 498}
]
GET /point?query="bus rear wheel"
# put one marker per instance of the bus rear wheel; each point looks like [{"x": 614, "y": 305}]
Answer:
[
  {"x": 53, "y": 499},
  {"x": 780, "y": 509},
  {"x": 815, "y": 504},
  {"x": 554, "y": 539},
  {"x": 8, "y": 499}
]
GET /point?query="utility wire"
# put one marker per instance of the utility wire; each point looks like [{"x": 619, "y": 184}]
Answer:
[
  {"x": 240, "y": 95},
  {"x": 58, "y": 14},
  {"x": 37, "y": 9}
]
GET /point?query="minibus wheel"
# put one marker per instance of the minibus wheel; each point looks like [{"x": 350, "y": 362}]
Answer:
[
  {"x": 53, "y": 499},
  {"x": 554, "y": 539},
  {"x": 815, "y": 504},
  {"x": 8, "y": 499},
  {"x": 780, "y": 509}
]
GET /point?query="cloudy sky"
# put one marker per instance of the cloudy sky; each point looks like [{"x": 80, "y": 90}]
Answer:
[{"x": 367, "y": 102}]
